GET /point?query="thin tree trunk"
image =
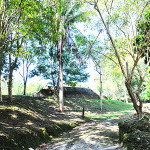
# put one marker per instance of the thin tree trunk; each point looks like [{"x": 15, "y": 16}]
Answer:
[
  {"x": 24, "y": 78},
  {"x": 10, "y": 86},
  {"x": 61, "y": 96},
  {"x": 134, "y": 100},
  {"x": 25, "y": 86},
  {"x": 112, "y": 41},
  {"x": 12, "y": 67},
  {"x": 10, "y": 79},
  {"x": 0, "y": 89},
  {"x": 125, "y": 92},
  {"x": 100, "y": 91},
  {"x": 99, "y": 70}
]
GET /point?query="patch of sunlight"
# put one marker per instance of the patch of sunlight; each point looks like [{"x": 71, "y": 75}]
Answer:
[
  {"x": 14, "y": 116},
  {"x": 29, "y": 123},
  {"x": 102, "y": 137},
  {"x": 51, "y": 100},
  {"x": 3, "y": 107},
  {"x": 14, "y": 108},
  {"x": 107, "y": 115}
]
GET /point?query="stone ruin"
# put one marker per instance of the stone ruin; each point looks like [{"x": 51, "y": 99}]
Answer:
[
  {"x": 134, "y": 133},
  {"x": 69, "y": 92}
]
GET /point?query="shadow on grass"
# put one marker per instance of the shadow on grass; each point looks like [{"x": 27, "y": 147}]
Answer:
[{"x": 26, "y": 122}]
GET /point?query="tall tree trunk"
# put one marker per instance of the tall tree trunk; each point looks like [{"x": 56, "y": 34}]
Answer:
[
  {"x": 10, "y": 86},
  {"x": 25, "y": 86},
  {"x": 0, "y": 89},
  {"x": 24, "y": 77},
  {"x": 99, "y": 70},
  {"x": 0, "y": 72},
  {"x": 10, "y": 79},
  {"x": 137, "y": 107},
  {"x": 100, "y": 91},
  {"x": 61, "y": 96},
  {"x": 125, "y": 93},
  {"x": 128, "y": 79}
]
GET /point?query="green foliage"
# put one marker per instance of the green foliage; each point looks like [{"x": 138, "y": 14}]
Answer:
[
  {"x": 18, "y": 87},
  {"x": 143, "y": 28},
  {"x": 145, "y": 94},
  {"x": 17, "y": 19},
  {"x": 34, "y": 87},
  {"x": 74, "y": 68},
  {"x": 53, "y": 24},
  {"x": 112, "y": 79}
]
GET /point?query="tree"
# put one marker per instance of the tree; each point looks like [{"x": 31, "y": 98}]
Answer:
[
  {"x": 113, "y": 81},
  {"x": 99, "y": 70},
  {"x": 67, "y": 15},
  {"x": 4, "y": 31},
  {"x": 126, "y": 11},
  {"x": 27, "y": 58},
  {"x": 97, "y": 58},
  {"x": 142, "y": 29},
  {"x": 58, "y": 19},
  {"x": 19, "y": 19},
  {"x": 47, "y": 65}
]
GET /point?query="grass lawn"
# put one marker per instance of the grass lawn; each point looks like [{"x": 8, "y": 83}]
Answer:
[{"x": 111, "y": 108}]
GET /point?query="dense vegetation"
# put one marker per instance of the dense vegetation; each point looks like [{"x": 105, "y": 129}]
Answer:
[
  {"x": 57, "y": 39},
  {"x": 46, "y": 38}
]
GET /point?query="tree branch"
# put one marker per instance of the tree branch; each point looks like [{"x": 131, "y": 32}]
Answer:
[
  {"x": 108, "y": 57},
  {"x": 138, "y": 57},
  {"x": 112, "y": 41}
]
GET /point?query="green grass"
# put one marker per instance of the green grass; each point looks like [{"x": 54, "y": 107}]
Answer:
[
  {"x": 94, "y": 105},
  {"x": 107, "y": 115},
  {"x": 111, "y": 108},
  {"x": 28, "y": 122}
]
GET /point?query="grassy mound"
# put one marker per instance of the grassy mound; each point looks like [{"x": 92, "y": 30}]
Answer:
[
  {"x": 28, "y": 122},
  {"x": 111, "y": 108}
]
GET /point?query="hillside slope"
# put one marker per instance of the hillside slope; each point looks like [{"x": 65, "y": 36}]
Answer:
[{"x": 29, "y": 122}]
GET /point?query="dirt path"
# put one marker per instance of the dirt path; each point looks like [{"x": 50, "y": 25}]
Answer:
[
  {"x": 96, "y": 134},
  {"x": 92, "y": 135}
]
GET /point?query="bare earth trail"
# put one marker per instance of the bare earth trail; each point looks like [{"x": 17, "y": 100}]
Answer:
[
  {"x": 92, "y": 135},
  {"x": 95, "y": 134}
]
